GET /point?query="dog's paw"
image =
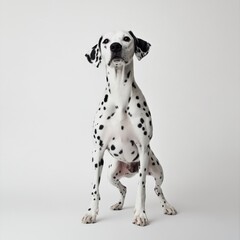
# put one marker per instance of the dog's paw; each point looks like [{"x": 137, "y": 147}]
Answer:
[
  {"x": 140, "y": 219},
  {"x": 169, "y": 210},
  {"x": 89, "y": 218},
  {"x": 118, "y": 206}
]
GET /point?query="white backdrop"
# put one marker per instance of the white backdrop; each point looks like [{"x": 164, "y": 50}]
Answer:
[{"x": 49, "y": 95}]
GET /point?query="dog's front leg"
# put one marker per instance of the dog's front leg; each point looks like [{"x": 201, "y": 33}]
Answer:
[
  {"x": 97, "y": 160},
  {"x": 140, "y": 217}
]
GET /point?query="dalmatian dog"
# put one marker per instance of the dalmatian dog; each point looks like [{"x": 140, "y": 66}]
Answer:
[{"x": 123, "y": 126}]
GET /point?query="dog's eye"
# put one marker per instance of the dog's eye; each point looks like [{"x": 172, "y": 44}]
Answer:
[
  {"x": 106, "y": 41},
  {"x": 126, "y": 39}
]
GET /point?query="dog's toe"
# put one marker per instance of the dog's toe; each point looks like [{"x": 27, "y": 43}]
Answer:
[
  {"x": 116, "y": 207},
  {"x": 140, "y": 219},
  {"x": 169, "y": 210},
  {"x": 89, "y": 218}
]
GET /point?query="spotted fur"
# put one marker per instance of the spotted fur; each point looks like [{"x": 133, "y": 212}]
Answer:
[{"x": 123, "y": 126}]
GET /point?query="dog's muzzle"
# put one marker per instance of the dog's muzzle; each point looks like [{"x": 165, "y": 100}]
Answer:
[{"x": 116, "y": 53}]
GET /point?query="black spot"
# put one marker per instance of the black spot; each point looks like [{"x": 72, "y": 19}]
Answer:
[
  {"x": 136, "y": 158},
  {"x": 89, "y": 209},
  {"x": 144, "y": 103},
  {"x": 106, "y": 98},
  {"x": 121, "y": 151},
  {"x": 140, "y": 174},
  {"x": 137, "y": 97},
  {"x": 141, "y": 120},
  {"x": 116, "y": 107},
  {"x": 122, "y": 127},
  {"x": 101, "y": 127},
  {"x": 96, "y": 165},
  {"x": 88, "y": 58},
  {"x": 133, "y": 152},
  {"x": 93, "y": 52},
  {"x": 139, "y": 105},
  {"x": 101, "y": 162},
  {"x": 133, "y": 85},
  {"x": 139, "y": 125},
  {"x": 128, "y": 75},
  {"x": 129, "y": 99},
  {"x": 104, "y": 108},
  {"x": 147, "y": 114},
  {"x": 150, "y": 122},
  {"x": 95, "y": 131},
  {"x": 145, "y": 133},
  {"x": 116, "y": 155},
  {"x": 113, "y": 148}
]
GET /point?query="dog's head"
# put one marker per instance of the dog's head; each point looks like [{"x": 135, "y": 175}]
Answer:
[{"x": 117, "y": 49}]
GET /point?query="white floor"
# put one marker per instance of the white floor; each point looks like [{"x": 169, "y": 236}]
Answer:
[{"x": 51, "y": 217}]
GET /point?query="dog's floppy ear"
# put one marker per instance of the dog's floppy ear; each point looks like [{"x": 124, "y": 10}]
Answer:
[
  {"x": 95, "y": 56},
  {"x": 141, "y": 47}
]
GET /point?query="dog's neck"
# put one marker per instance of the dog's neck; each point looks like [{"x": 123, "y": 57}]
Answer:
[{"x": 120, "y": 82}]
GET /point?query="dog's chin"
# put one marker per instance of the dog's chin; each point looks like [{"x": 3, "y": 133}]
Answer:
[{"x": 117, "y": 62}]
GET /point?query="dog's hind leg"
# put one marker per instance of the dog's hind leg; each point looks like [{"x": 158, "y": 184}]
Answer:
[
  {"x": 155, "y": 170},
  {"x": 115, "y": 172}
]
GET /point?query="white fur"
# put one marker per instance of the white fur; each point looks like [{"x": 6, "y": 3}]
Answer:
[{"x": 123, "y": 126}]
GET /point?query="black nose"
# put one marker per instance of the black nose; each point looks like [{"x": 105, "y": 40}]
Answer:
[{"x": 116, "y": 47}]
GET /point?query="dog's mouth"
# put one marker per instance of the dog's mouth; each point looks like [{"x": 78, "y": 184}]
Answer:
[{"x": 116, "y": 60}]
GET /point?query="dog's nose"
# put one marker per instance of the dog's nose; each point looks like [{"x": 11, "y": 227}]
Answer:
[{"x": 116, "y": 47}]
